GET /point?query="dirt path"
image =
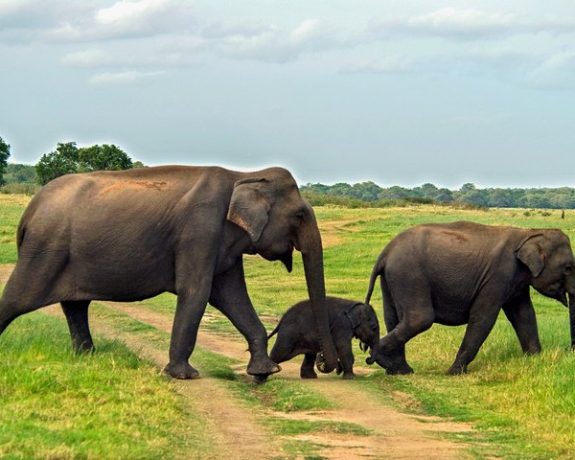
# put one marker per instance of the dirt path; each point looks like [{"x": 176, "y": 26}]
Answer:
[
  {"x": 332, "y": 230},
  {"x": 395, "y": 434},
  {"x": 228, "y": 418}
]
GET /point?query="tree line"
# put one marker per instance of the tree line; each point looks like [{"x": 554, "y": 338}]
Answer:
[
  {"x": 371, "y": 194},
  {"x": 69, "y": 158},
  {"x": 66, "y": 158}
]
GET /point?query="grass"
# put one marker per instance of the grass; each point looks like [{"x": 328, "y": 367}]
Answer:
[
  {"x": 522, "y": 407},
  {"x": 277, "y": 396},
  {"x": 11, "y": 208},
  {"x": 107, "y": 405}
]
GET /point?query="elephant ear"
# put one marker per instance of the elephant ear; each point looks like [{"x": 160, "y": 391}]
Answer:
[
  {"x": 249, "y": 207},
  {"x": 531, "y": 254}
]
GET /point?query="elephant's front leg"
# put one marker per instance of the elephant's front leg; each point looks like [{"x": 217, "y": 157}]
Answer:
[
  {"x": 230, "y": 296},
  {"x": 345, "y": 354},
  {"x": 306, "y": 370},
  {"x": 189, "y": 311},
  {"x": 521, "y": 315}
]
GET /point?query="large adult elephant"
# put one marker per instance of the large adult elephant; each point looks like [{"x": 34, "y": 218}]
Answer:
[
  {"x": 130, "y": 235},
  {"x": 464, "y": 273}
]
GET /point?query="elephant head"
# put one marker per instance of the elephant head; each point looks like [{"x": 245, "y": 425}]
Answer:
[
  {"x": 365, "y": 325},
  {"x": 270, "y": 209},
  {"x": 548, "y": 255}
]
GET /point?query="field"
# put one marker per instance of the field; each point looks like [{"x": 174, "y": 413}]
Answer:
[{"x": 116, "y": 403}]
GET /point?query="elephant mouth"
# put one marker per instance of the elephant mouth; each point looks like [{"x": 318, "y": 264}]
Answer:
[
  {"x": 560, "y": 295},
  {"x": 366, "y": 346},
  {"x": 563, "y": 299},
  {"x": 287, "y": 260}
]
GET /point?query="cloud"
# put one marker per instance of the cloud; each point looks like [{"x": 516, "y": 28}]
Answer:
[
  {"x": 143, "y": 36},
  {"x": 274, "y": 44},
  {"x": 557, "y": 71},
  {"x": 387, "y": 65},
  {"x": 87, "y": 58},
  {"x": 68, "y": 22},
  {"x": 470, "y": 24},
  {"x": 122, "y": 78},
  {"x": 161, "y": 55}
]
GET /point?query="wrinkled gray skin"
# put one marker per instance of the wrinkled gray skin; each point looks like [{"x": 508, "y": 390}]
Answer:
[
  {"x": 464, "y": 273},
  {"x": 347, "y": 318},
  {"x": 130, "y": 235}
]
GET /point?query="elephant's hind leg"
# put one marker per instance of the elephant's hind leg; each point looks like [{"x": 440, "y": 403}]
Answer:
[
  {"x": 391, "y": 320},
  {"x": 77, "y": 317},
  {"x": 29, "y": 287}
]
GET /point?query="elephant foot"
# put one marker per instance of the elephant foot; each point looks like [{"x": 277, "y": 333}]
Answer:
[
  {"x": 181, "y": 371},
  {"x": 533, "y": 350},
  {"x": 262, "y": 366},
  {"x": 457, "y": 369},
  {"x": 308, "y": 375},
  {"x": 321, "y": 364},
  {"x": 84, "y": 349},
  {"x": 404, "y": 370},
  {"x": 348, "y": 376},
  {"x": 260, "y": 379}
]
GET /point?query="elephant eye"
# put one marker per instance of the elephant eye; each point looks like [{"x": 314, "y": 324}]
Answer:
[{"x": 568, "y": 269}]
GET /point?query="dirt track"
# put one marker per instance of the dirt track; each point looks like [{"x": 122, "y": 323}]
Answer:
[{"x": 394, "y": 434}]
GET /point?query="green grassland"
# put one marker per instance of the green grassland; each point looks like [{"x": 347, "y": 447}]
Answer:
[
  {"x": 520, "y": 406},
  {"x": 107, "y": 405}
]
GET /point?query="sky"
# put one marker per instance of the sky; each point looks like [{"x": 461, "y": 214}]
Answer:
[{"x": 400, "y": 92}]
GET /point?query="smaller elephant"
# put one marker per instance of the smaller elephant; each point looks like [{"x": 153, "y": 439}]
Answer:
[
  {"x": 465, "y": 273},
  {"x": 297, "y": 334}
]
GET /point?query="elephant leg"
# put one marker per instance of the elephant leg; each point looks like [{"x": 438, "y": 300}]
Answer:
[
  {"x": 306, "y": 370},
  {"x": 391, "y": 320},
  {"x": 345, "y": 355},
  {"x": 415, "y": 317},
  {"x": 230, "y": 296},
  {"x": 189, "y": 311},
  {"x": 521, "y": 315},
  {"x": 30, "y": 286},
  {"x": 482, "y": 317},
  {"x": 77, "y": 318}
]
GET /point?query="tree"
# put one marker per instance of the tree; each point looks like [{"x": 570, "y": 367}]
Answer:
[
  {"x": 55, "y": 164},
  {"x": 103, "y": 158},
  {"x": 68, "y": 158},
  {"x": 4, "y": 155},
  {"x": 20, "y": 174}
]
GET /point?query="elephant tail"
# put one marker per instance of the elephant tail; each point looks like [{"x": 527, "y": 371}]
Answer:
[
  {"x": 275, "y": 331},
  {"x": 377, "y": 271}
]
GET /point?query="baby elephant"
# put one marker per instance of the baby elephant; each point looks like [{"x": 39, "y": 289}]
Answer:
[{"x": 348, "y": 319}]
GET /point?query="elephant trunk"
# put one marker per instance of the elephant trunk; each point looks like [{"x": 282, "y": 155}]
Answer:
[
  {"x": 309, "y": 243},
  {"x": 570, "y": 288},
  {"x": 572, "y": 318}
]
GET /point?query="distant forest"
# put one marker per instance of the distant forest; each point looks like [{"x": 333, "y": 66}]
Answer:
[{"x": 369, "y": 194}]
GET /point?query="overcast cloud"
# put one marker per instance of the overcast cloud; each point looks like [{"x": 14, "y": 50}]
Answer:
[{"x": 391, "y": 91}]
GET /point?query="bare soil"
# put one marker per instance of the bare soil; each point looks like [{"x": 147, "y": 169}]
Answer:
[
  {"x": 394, "y": 434},
  {"x": 237, "y": 431}
]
